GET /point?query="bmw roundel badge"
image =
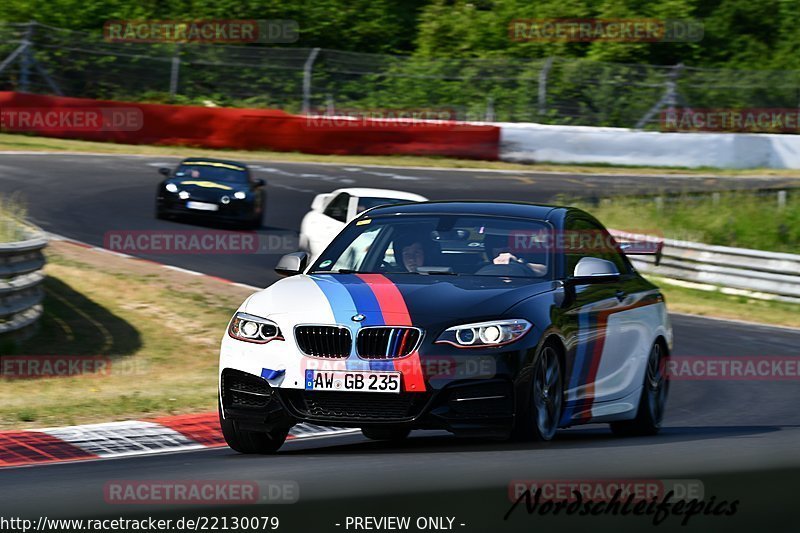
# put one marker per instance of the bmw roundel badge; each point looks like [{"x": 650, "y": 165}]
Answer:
[{"x": 358, "y": 318}]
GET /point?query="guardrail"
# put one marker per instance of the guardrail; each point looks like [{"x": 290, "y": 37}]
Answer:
[
  {"x": 21, "y": 276},
  {"x": 766, "y": 275}
]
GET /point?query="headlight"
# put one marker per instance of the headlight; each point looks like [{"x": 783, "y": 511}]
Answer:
[
  {"x": 485, "y": 334},
  {"x": 171, "y": 187},
  {"x": 250, "y": 328},
  {"x": 240, "y": 195}
]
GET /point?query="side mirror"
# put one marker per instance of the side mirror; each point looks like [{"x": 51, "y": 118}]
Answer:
[
  {"x": 594, "y": 270},
  {"x": 259, "y": 182},
  {"x": 164, "y": 171},
  {"x": 292, "y": 264}
]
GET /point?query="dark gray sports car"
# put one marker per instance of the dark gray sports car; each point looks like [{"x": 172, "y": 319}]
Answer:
[{"x": 213, "y": 189}]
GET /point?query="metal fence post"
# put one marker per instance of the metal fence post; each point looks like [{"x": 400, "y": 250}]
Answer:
[
  {"x": 489, "y": 110},
  {"x": 13, "y": 56},
  {"x": 26, "y": 60},
  {"x": 668, "y": 100},
  {"x": 543, "y": 85},
  {"x": 307, "y": 71},
  {"x": 174, "y": 73}
]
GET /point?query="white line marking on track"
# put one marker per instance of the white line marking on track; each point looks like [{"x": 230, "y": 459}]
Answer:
[{"x": 185, "y": 271}]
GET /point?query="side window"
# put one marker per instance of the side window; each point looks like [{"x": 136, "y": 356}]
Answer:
[
  {"x": 337, "y": 209},
  {"x": 589, "y": 239}
]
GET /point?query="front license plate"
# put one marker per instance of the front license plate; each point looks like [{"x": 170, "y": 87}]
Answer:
[
  {"x": 202, "y": 206},
  {"x": 353, "y": 381}
]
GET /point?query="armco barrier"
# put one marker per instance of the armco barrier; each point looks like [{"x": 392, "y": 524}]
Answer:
[
  {"x": 265, "y": 129},
  {"x": 774, "y": 275},
  {"x": 531, "y": 143},
  {"x": 21, "y": 276}
]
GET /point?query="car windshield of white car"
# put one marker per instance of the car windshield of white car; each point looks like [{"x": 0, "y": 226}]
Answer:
[{"x": 466, "y": 245}]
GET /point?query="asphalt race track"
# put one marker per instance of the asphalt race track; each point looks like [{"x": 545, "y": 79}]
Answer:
[
  {"x": 740, "y": 439},
  {"x": 85, "y": 196}
]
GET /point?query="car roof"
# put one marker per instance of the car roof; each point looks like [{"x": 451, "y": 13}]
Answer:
[
  {"x": 380, "y": 193},
  {"x": 212, "y": 161},
  {"x": 461, "y": 207}
]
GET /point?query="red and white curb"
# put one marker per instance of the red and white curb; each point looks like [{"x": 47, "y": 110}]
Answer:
[{"x": 124, "y": 439}]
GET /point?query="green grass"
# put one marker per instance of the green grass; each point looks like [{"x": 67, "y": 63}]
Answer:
[
  {"x": 161, "y": 344},
  {"x": 717, "y": 304},
  {"x": 741, "y": 219},
  {"x": 19, "y": 142},
  {"x": 12, "y": 213}
]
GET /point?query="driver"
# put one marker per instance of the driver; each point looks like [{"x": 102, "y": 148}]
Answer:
[{"x": 412, "y": 250}]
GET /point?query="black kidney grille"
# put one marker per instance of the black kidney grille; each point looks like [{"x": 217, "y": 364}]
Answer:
[
  {"x": 324, "y": 341},
  {"x": 387, "y": 342}
]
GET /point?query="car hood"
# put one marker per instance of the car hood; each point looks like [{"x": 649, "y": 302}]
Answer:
[{"x": 387, "y": 298}]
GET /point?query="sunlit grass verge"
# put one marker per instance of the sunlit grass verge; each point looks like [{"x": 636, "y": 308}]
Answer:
[
  {"x": 12, "y": 215},
  {"x": 762, "y": 221},
  {"x": 716, "y": 304},
  {"x": 160, "y": 332}
]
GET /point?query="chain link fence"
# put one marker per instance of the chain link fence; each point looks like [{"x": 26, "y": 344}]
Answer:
[{"x": 42, "y": 59}]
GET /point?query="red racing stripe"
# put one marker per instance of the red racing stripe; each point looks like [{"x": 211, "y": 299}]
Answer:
[{"x": 395, "y": 313}]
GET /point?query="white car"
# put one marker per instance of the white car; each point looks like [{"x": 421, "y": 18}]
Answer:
[{"x": 330, "y": 212}]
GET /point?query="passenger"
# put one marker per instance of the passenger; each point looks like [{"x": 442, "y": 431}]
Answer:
[{"x": 498, "y": 251}]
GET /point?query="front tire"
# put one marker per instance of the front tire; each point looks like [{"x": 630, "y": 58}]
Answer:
[
  {"x": 385, "y": 433},
  {"x": 540, "y": 415},
  {"x": 650, "y": 412},
  {"x": 251, "y": 442}
]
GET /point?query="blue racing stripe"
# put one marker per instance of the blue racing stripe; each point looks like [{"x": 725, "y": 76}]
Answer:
[
  {"x": 343, "y": 309},
  {"x": 367, "y": 304}
]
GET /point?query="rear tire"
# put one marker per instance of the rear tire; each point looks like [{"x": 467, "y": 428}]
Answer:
[
  {"x": 652, "y": 401},
  {"x": 385, "y": 433},
  {"x": 251, "y": 442},
  {"x": 539, "y": 416}
]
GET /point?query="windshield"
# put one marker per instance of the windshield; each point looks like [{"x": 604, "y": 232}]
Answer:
[
  {"x": 440, "y": 245},
  {"x": 212, "y": 172}
]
